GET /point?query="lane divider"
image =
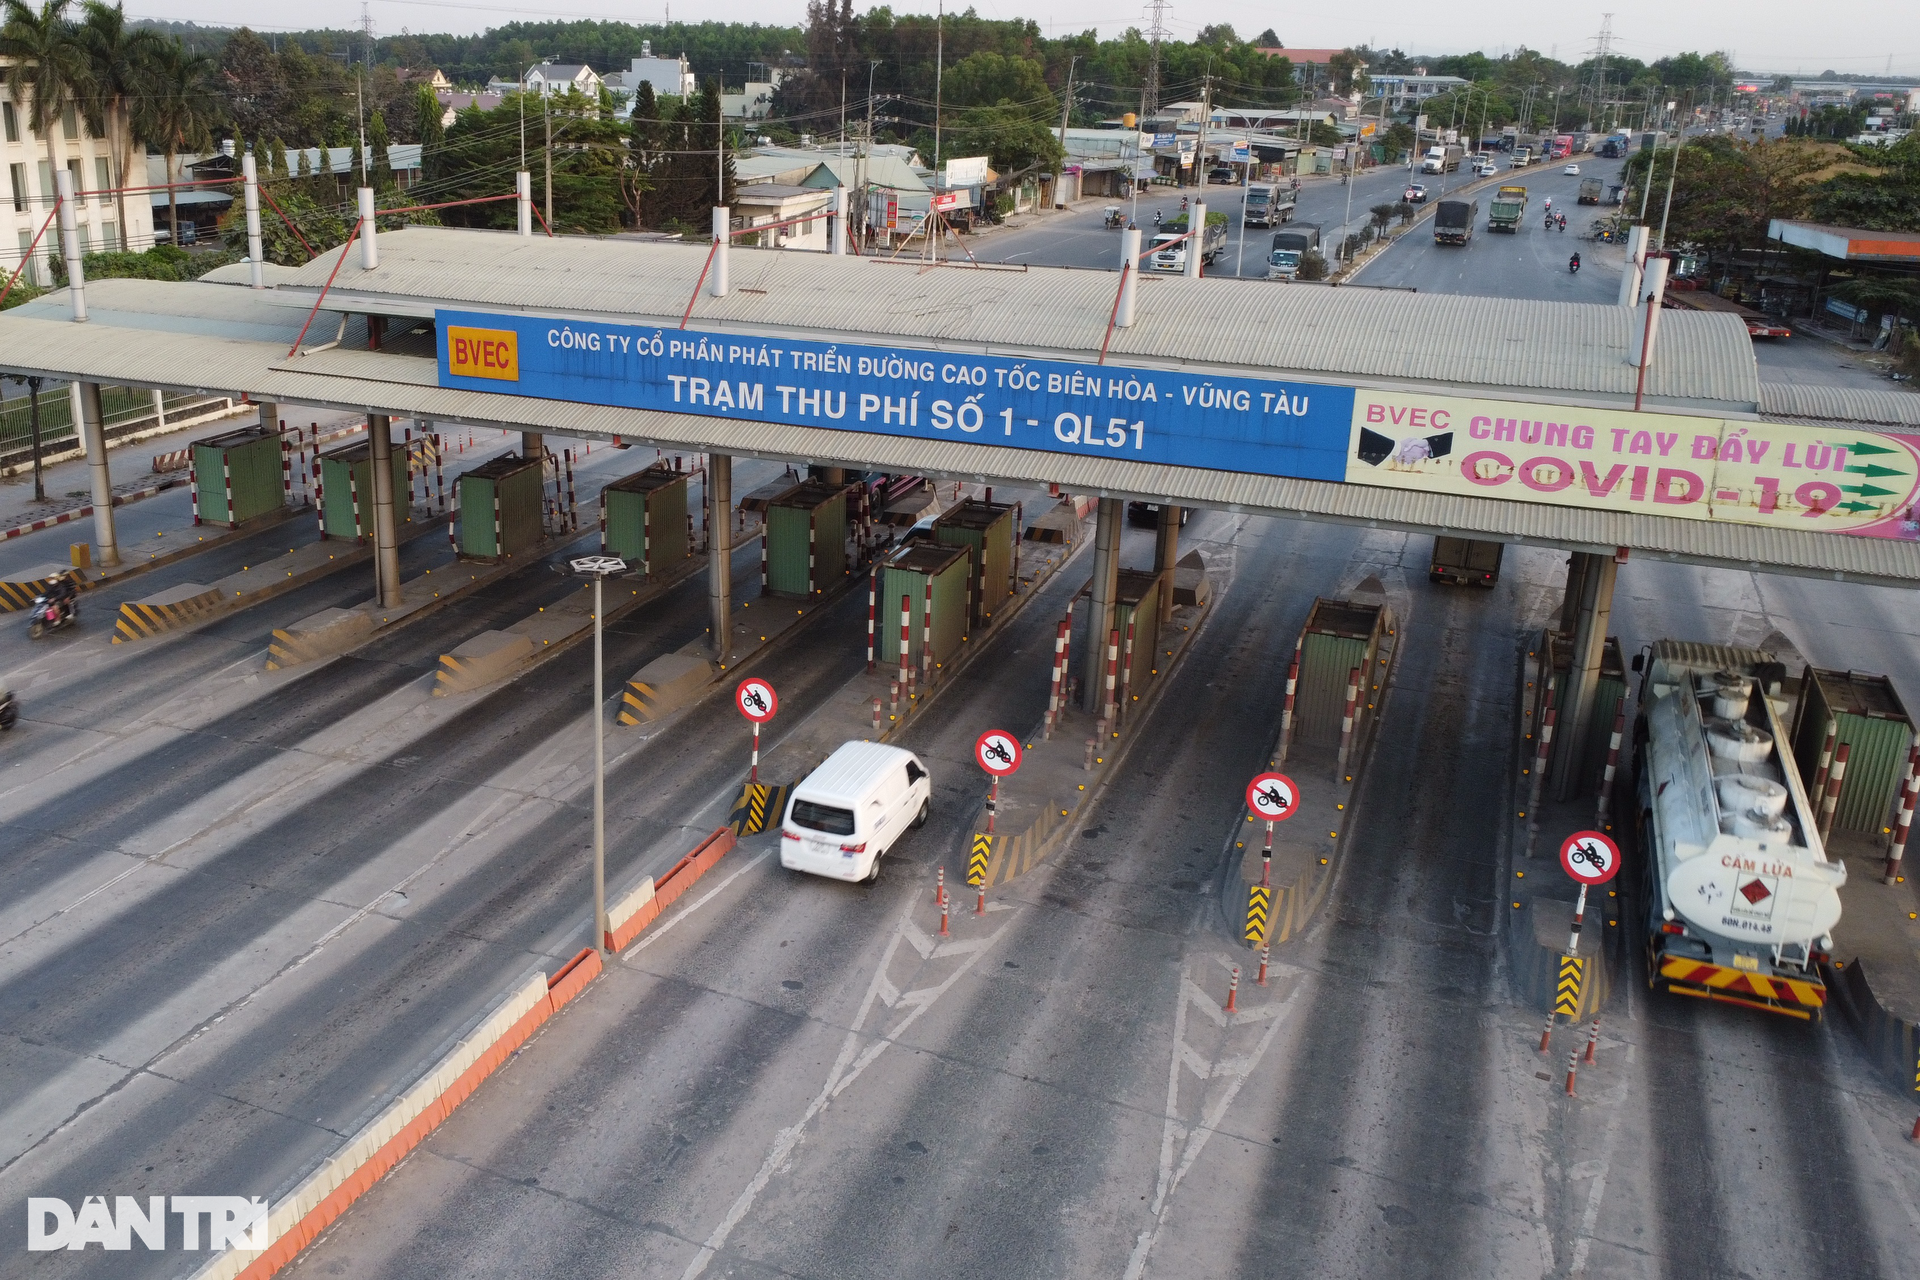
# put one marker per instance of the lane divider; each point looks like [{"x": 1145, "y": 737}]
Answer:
[
  {"x": 325, "y": 1194},
  {"x": 18, "y": 593},
  {"x": 758, "y": 805},
  {"x": 171, "y": 609}
]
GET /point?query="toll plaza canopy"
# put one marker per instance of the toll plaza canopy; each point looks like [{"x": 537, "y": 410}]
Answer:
[{"x": 1511, "y": 420}]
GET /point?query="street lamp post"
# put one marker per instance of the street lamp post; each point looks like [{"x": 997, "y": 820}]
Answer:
[{"x": 597, "y": 568}]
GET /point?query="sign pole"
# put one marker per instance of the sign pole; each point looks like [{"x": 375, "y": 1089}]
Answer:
[
  {"x": 1266, "y": 857},
  {"x": 753, "y": 774},
  {"x": 993, "y": 800}
]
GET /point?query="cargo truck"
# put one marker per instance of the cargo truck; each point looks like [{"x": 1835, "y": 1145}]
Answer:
[
  {"x": 1269, "y": 205},
  {"x": 1741, "y": 898},
  {"x": 1443, "y": 158},
  {"x": 1509, "y": 206},
  {"x": 1289, "y": 248},
  {"x": 1521, "y": 158},
  {"x": 1466, "y": 562},
  {"x": 1171, "y": 256},
  {"x": 1453, "y": 221},
  {"x": 1590, "y": 189}
]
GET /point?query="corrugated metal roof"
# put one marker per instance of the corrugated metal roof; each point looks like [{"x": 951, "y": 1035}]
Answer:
[
  {"x": 1459, "y": 342},
  {"x": 120, "y": 348},
  {"x": 195, "y": 307},
  {"x": 1797, "y": 401}
]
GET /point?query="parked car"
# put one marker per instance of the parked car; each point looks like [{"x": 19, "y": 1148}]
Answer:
[
  {"x": 1416, "y": 193},
  {"x": 1221, "y": 176},
  {"x": 1572, "y": 171},
  {"x": 851, "y": 811}
]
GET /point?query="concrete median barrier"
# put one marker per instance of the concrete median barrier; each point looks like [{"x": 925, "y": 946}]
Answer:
[
  {"x": 633, "y": 909},
  {"x": 666, "y": 684},
  {"x": 480, "y": 661},
  {"x": 19, "y": 589},
  {"x": 323, "y": 634},
  {"x": 168, "y": 610}
]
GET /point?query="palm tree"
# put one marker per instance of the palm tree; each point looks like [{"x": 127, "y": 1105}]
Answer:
[
  {"x": 177, "y": 110},
  {"x": 49, "y": 67},
  {"x": 117, "y": 59}
]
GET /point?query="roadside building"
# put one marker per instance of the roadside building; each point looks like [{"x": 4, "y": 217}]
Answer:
[{"x": 29, "y": 190}]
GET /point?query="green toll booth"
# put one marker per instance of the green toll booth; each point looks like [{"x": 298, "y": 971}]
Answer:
[
  {"x": 1137, "y": 604},
  {"x": 985, "y": 529},
  {"x": 907, "y": 573},
  {"x": 237, "y": 476},
  {"x": 643, "y": 518},
  {"x": 1608, "y": 693},
  {"x": 1865, "y": 713},
  {"x": 500, "y": 507},
  {"x": 1338, "y": 637},
  {"x": 806, "y": 540},
  {"x": 346, "y": 491}
]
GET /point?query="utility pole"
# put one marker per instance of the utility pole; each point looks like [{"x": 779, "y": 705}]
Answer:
[
  {"x": 1200, "y": 144},
  {"x": 1679, "y": 141},
  {"x": 939, "y": 66},
  {"x": 1156, "y": 32},
  {"x": 1066, "y": 107},
  {"x": 546, "y": 114}
]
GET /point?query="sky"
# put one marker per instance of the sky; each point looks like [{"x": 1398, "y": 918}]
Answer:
[{"x": 1764, "y": 35}]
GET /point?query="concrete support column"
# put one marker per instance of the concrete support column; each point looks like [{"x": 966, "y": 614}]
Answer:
[
  {"x": 1166, "y": 554},
  {"x": 1106, "y": 586},
  {"x": 837, "y": 227},
  {"x": 1577, "y": 564},
  {"x": 533, "y": 445},
  {"x": 523, "y": 201},
  {"x": 1589, "y": 645},
  {"x": 1130, "y": 274},
  {"x": 717, "y": 275},
  {"x": 1636, "y": 264},
  {"x": 720, "y": 555},
  {"x": 1197, "y": 224},
  {"x": 256, "y": 274},
  {"x": 386, "y": 542},
  {"x": 369, "y": 241},
  {"x": 93, "y": 427},
  {"x": 70, "y": 245}
]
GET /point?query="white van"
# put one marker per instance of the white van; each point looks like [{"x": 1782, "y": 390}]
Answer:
[{"x": 852, "y": 809}]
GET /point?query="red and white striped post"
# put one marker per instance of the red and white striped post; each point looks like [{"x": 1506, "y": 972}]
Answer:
[
  {"x": 1286, "y": 715},
  {"x": 939, "y": 885},
  {"x": 499, "y": 540},
  {"x": 193, "y": 483},
  {"x": 1346, "y": 717},
  {"x": 573, "y": 506},
  {"x": 1593, "y": 1038},
  {"x": 943, "y": 917},
  {"x": 926, "y": 639},
  {"x": 1908, "y": 793},
  {"x": 1613, "y": 762},
  {"x": 603, "y": 522},
  {"x": 439, "y": 473},
  {"x": 1539, "y": 773},
  {"x": 1831, "y": 801},
  {"x": 1113, "y": 671},
  {"x": 765, "y": 587},
  {"x": 1053, "y": 694},
  {"x": 1826, "y": 761},
  {"x": 906, "y": 642},
  {"x": 1233, "y": 990},
  {"x": 319, "y": 498},
  {"x": 1019, "y": 520},
  {"x": 873, "y": 598},
  {"x": 1266, "y": 947},
  {"x": 646, "y": 539},
  {"x": 406, "y": 446},
  {"x": 876, "y": 715},
  {"x": 812, "y": 521},
  {"x": 353, "y": 497},
  {"x": 1126, "y": 673},
  {"x": 226, "y": 480},
  {"x": 1573, "y": 1061},
  {"x": 286, "y": 466}
]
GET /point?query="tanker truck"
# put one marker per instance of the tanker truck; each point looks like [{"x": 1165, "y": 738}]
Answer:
[{"x": 1741, "y": 898}]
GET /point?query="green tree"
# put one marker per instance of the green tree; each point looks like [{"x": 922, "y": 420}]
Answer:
[
  {"x": 116, "y": 60},
  {"x": 49, "y": 68},
  {"x": 1014, "y": 141},
  {"x": 379, "y": 144},
  {"x": 988, "y": 79},
  {"x": 177, "y": 112},
  {"x": 427, "y": 114}
]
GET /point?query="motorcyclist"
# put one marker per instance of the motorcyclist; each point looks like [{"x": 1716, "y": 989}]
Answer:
[
  {"x": 61, "y": 592},
  {"x": 1573, "y": 264},
  {"x": 1563, "y": 221},
  {"x": 1549, "y": 205}
]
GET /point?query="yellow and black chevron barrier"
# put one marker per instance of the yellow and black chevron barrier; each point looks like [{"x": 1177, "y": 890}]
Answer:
[
  {"x": 1566, "y": 998},
  {"x": 977, "y": 860},
  {"x": 758, "y": 806},
  {"x": 19, "y": 592},
  {"x": 168, "y": 611},
  {"x": 1259, "y": 911}
]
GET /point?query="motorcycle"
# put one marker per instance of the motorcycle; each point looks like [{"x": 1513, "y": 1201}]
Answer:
[
  {"x": 1573, "y": 264},
  {"x": 46, "y": 615},
  {"x": 1562, "y": 221},
  {"x": 9, "y": 709},
  {"x": 1113, "y": 218}
]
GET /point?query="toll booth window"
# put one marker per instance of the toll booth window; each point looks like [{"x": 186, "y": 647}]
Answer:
[{"x": 821, "y": 817}]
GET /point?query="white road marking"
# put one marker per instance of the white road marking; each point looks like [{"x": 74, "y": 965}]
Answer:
[
  {"x": 1236, "y": 1069},
  {"x": 847, "y": 1066},
  {"x": 654, "y": 935}
]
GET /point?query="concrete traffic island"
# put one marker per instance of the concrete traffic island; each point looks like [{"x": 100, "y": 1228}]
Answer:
[{"x": 1875, "y": 973}]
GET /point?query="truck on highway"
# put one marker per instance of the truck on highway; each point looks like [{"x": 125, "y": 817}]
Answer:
[
  {"x": 1171, "y": 256},
  {"x": 1466, "y": 562},
  {"x": 1508, "y": 207},
  {"x": 1290, "y": 247},
  {"x": 1759, "y": 324},
  {"x": 1453, "y": 221},
  {"x": 1521, "y": 158},
  {"x": 1590, "y": 191},
  {"x": 1442, "y": 158},
  {"x": 1741, "y": 898},
  {"x": 1269, "y": 204}
]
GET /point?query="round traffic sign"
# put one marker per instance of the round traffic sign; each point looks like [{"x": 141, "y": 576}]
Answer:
[
  {"x": 1589, "y": 857},
  {"x": 756, "y": 699},
  {"x": 1272, "y": 796},
  {"x": 998, "y": 752}
]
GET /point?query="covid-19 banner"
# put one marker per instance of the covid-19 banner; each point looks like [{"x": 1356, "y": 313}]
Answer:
[{"x": 1827, "y": 479}]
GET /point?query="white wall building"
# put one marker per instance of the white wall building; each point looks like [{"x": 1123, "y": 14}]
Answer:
[
  {"x": 549, "y": 78},
  {"x": 666, "y": 75},
  {"x": 27, "y": 191}
]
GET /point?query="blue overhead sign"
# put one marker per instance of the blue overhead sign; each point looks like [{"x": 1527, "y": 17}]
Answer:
[{"x": 1254, "y": 425}]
